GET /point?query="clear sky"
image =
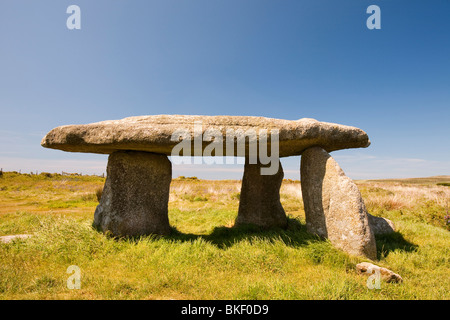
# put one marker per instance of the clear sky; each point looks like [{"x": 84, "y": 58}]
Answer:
[{"x": 284, "y": 59}]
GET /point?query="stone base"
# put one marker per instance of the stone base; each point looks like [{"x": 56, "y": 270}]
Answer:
[
  {"x": 380, "y": 225},
  {"x": 136, "y": 194},
  {"x": 260, "y": 198},
  {"x": 334, "y": 208}
]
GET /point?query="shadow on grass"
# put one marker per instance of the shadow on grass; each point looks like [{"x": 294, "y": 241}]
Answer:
[
  {"x": 395, "y": 241},
  {"x": 294, "y": 235}
]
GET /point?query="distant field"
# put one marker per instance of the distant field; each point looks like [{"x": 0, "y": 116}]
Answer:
[
  {"x": 427, "y": 180},
  {"x": 205, "y": 257}
]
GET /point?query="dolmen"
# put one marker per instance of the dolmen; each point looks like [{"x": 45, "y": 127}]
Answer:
[{"x": 136, "y": 191}]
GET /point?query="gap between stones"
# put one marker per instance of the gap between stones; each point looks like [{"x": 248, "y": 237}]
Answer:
[{"x": 136, "y": 195}]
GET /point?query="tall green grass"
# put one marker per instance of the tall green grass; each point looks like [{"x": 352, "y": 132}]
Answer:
[
  {"x": 226, "y": 263},
  {"x": 205, "y": 257}
]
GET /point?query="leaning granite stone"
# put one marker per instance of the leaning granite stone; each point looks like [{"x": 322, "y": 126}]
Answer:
[
  {"x": 334, "y": 208},
  {"x": 156, "y": 134},
  {"x": 259, "y": 201},
  {"x": 385, "y": 274},
  {"x": 380, "y": 225},
  {"x": 135, "y": 197}
]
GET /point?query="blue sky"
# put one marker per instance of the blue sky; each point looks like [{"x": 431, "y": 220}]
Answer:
[{"x": 282, "y": 59}]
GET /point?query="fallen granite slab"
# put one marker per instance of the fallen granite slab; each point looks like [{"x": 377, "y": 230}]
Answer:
[
  {"x": 380, "y": 225},
  {"x": 11, "y": 238},
  {"x": 156, "y": 134}
]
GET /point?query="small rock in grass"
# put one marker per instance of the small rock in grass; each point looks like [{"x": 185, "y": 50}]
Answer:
[
  {"x": 8, "y": 239},
  {"x": 386, "y": 274}
]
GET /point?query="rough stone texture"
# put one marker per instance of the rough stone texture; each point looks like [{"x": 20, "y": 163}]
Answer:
[
  {"x": 153, "y": 134},
  {"x": 386, "y": 274},
  {"x": 259, "y": 202},
  {"x": 380, "y": 225},
  {"x": 136, "y": 194},
  {"x": 11, "y": 238},
  {"x": 334, "y": 208}
]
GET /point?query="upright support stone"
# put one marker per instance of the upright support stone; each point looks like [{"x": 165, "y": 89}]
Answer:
[
  {"x": 259, "y": 202},
  {"x": 334, "y": 208},
  {"x": 136, "y": 195}
]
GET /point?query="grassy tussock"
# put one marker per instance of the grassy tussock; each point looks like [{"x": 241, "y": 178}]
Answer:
[{"x": 205, "y": 257}]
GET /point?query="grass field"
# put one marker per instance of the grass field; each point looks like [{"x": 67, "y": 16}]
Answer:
[{"x": 205, "y": 257}]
